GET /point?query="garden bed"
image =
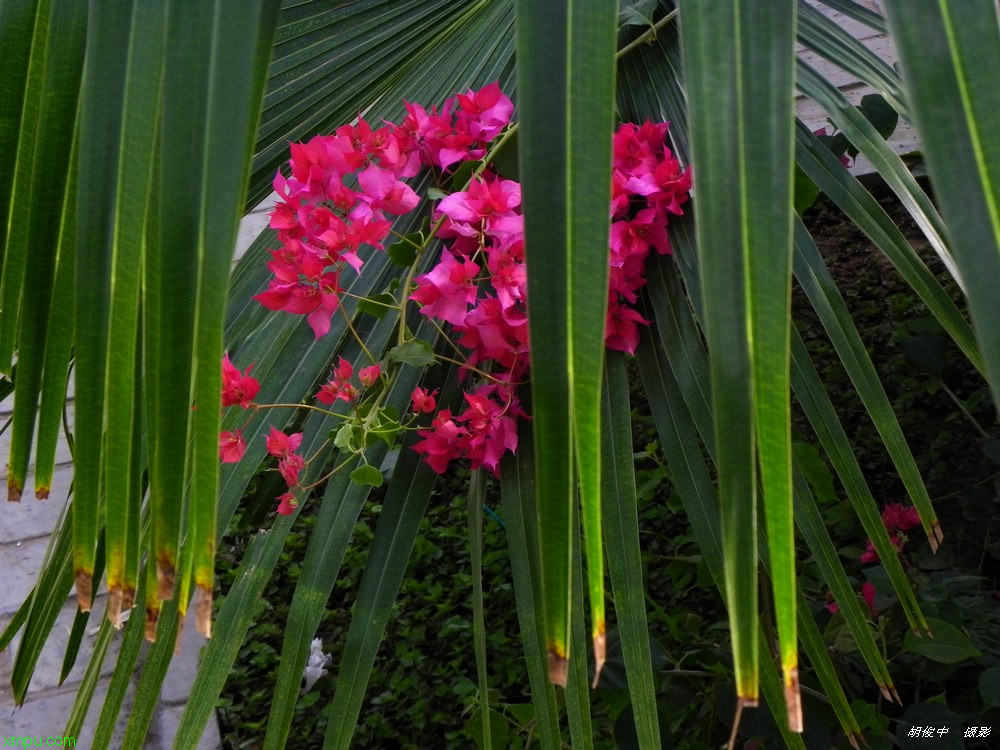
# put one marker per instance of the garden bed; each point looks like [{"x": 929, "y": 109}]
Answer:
[{"x": 423, "y": 692}]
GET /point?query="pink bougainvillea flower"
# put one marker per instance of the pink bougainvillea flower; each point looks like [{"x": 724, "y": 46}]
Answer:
[
  {"x": 622, "y": 327},
  {"x": 492, "y": 429},
  {"x": 423, "y": 401},
  {"x": 895, "y": 516},
  {"x": 381, "y": 191},
  {"x": 484, "y": 113},
  {"x": 442, "y": 443},
  {"x": 287, "y": 504},
  {"x": 868, "y": 594},
  {"x": 329, "y": 300},
  {"x": 281, "y": 445},
  {"x": 338, "y": 387},
  {"x": 289, "y": 468},
  {"x": 343, "y": 369},
  {"x": 237, "y": 387},
  {"x": 869, "y": 555},
  {"x": 232, "y": 446},
  {"x": 368, "y": 375},
  {"x": 448, "y": 289}
]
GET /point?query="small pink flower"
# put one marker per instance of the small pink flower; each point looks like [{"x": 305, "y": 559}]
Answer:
[
  {"x": 869, "y": 555},
  {"x": 289, "y": 468},
  {"x": 232, "y": 446},
  {"x": 287, "y": 504},
  {"x": 281, "y": 445},
  {"x": 368, "y": 375},
  {"x": 343, "y": 370},
  {"x": 868, "y": 594},
  {"x": 423, "y": 401},
  {"x": 237, "y": 387},
  {"x": 895, "y": 516}
]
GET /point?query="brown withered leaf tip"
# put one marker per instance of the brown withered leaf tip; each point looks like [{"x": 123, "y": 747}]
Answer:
[
  {"x": 165, "y": 574},
  {"x": 152, "y": 616},
  {"x": 115, "y": 598},
  {"x": 41, "y": 493},
  {"x": 558, "y": 667},
  {"x": 180, "y": 636},
  {"x": 13, "y": 490},
  {"x": 128, "y": 598},
  {"x": 793, "y": 700},
  {"x": 935, "y": 537},
  {"x": 203, "y": 611},
  {"x": 83, "y": 589},
  {"x": 600, "y": 655}
]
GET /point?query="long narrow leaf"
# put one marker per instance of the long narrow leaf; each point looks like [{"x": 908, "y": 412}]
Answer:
[
  {"x": 566, "y": 89},
  {"x": 36, "y": 222},
  {"x": 477, "y": 493},
  {"x": 744, "y": 245},
  {"x": 517, "y": 493},
  {"x": 621, "y": 526},
  {"x": 140, "y": 83},
  {"x": 823, "y": 168},
  {"x": 818, "y": 285},
  {"x": 822, "y": 416},
  {"x": 955, "y": 103},
  {"x": 395, "y": 535}
]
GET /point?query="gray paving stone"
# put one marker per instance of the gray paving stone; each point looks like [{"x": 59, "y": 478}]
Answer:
[
  {"x": 252, "y": 225},
  {"x": 184, "y": 666},
  {"x": 44, "y": 715},
  {"x": 20, "y": 562},
  {"x": 33, "y": 518},
  {"x": 62, "y": 451},
  {"x": 170, "y": 719},
  {"x": 50, "y": 660}
]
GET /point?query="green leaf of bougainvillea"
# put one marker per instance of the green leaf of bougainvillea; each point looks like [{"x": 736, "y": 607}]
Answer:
[
  {"x": 414, "y": 352},
  {"x": 366, "y": 474}
]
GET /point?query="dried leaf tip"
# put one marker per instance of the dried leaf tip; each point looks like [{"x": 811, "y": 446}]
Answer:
[
  {"x": 116, "y": 597},
  {"x": 793, "y": 699},
  {"x": 152, "y": 617},
  {"x": 179, "y": 638},
  {"x": 165, "y": 575},
  {"x": 13, "y": 489},
  {"x": 41, "y": 493},
  {"x": 84, "y": 589},
  {"x": 600, "y": 654},
  {"x": 935, "y": 537},
  {"x": 203, "y": 611},
  {"x": 558, "y": 666}
]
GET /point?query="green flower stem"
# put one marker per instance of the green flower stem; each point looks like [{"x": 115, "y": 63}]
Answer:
[
  {"x": 647, "y": 36},
  {"x": 300, "y": 406},
  {"x": 370, "y": 300},
  {"x": 333, "y": 472},
  {"x": 350, "y": 327},
  {"x": 319, "y": 450}
]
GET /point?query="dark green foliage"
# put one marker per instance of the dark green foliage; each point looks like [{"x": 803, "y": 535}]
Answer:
[{"x": 423, "y": 691}]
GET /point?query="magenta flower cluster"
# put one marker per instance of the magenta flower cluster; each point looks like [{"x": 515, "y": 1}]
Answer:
[{"x": 344, "y": 189}]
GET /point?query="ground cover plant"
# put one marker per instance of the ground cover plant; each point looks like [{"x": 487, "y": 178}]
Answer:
[
  {"x": 117, "y": 263},
  {"x": 414, "y": 688}
]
